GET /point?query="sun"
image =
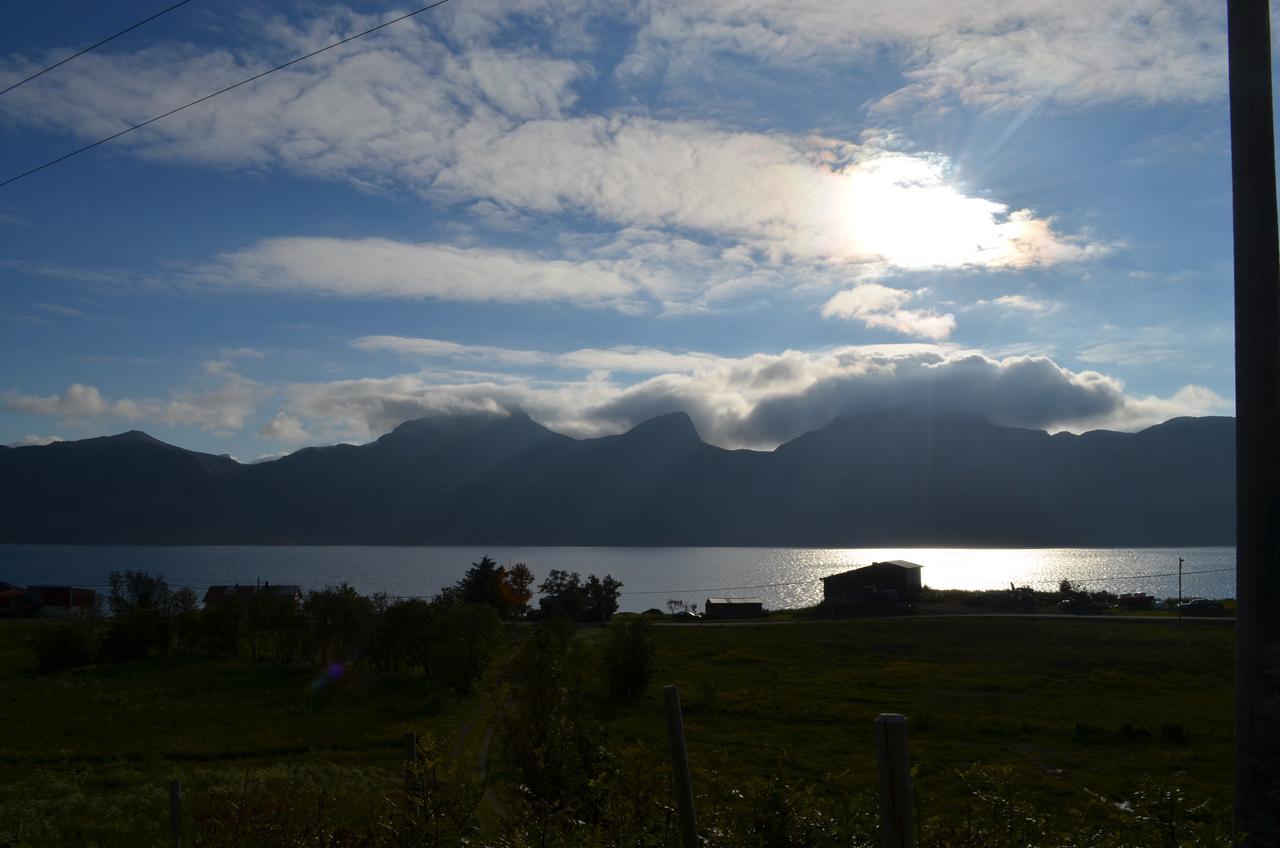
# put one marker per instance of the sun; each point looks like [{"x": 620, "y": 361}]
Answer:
[{"x": 903, "y": 210}]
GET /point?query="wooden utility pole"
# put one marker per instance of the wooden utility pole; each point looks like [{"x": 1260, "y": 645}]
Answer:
[
  {"x": 897, "y": 824},
  {"x": 680, "y": 769},
  {"x": 175, "y": 812},
  {"x": 1257, "y": 292}
]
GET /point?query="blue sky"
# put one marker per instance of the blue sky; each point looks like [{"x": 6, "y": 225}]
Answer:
[{"x": 764, "y": 214}]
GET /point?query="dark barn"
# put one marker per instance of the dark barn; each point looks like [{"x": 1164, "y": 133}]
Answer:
[
  {"x": 733, "y": 608},
  {"x": 894, "y": 579}
]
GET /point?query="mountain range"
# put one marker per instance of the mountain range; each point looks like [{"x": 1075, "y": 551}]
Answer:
[{"x": 901, "y": 477}]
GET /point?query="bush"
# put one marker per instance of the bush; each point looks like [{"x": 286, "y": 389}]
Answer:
[
  {"x": 69, "y": 644},
  {"x": 554, "y": 748},
  {"x": 463, "y": 639},
  {"x": 629, "y": 658}
]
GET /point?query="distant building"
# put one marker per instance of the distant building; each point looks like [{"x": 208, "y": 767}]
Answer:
[
  {"x": 733, "y": 608},
  {"x": 217, "y": 594},
  {"x": 45, "y": 601},
  {"x": 894, "y": 579}
]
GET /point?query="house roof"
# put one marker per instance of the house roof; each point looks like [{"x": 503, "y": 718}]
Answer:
[
  {"x": 734, "y": 601},
  {"x": 898, "y": 563}
]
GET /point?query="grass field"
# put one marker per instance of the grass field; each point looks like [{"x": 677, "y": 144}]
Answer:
[
  {"x": 88, "y": 753},
  {"x": 1048, "y": 699}
]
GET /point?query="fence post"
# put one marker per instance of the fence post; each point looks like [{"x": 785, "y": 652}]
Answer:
[
  {"x": 680, "y": 769},
  {"x": 411, "y": 746},
  {"x": 896, "y": 822},
  {"x": 175, "y": 812}
]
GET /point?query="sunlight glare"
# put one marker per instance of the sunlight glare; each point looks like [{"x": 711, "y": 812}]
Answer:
[{"x": 902, "y": 209}]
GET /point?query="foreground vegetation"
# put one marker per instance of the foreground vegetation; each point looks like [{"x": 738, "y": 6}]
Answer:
[{"x": 1023, "y": 732}]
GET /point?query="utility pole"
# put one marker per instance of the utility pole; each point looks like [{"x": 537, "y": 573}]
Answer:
[
  {"x": 1257, "y": 307},
  {"x": 1179, "y": 587}
]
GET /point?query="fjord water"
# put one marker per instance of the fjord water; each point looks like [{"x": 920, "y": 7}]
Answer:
[{"x": 650, "y": 576}]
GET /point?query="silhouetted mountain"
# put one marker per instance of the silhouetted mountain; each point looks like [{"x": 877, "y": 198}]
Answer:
[{"x": 898, "y": 477}]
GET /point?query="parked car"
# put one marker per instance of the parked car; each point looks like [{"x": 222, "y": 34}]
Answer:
[
  {"x": 1199, "y": 606},
  {"x": 1079, "y": 606}
]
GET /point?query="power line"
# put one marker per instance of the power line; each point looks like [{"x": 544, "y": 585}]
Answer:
[
  {"x": 94, "y": 46},
  {"x": 723, "y": 588},
  {"x": 220, "y": 91},
  {"x": 772, "y": 585},
  {"x": 1136, "y": 576}
]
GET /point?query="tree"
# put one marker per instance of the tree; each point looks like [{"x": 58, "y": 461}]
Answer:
[
  {"x": 518, "y": 589},
  {"x": 144, "y": 617},
  {"x": 482, "y": 584},
  {"x": 490, "y": 584},
  {"x": 602, "y": 597},
  {"x": 563, "y": 594}
]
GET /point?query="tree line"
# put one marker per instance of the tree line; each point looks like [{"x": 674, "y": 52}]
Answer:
[{"x": 448, "y": 637}]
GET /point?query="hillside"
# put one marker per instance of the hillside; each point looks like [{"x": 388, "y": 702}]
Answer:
[{"x": 902, "y": 477}]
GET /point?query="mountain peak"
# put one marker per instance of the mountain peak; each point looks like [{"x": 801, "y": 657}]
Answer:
[
  {"x": 674, "y": 427},
  {"x": 136, "y": 436}
]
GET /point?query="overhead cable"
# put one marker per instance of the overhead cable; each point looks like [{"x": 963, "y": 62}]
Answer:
[
  {"x": 220, "y": 91},
  {"x": 94, "y": 46}
]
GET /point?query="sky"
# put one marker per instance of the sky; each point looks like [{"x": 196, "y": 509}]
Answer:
[{"x": 765, "y": 214}]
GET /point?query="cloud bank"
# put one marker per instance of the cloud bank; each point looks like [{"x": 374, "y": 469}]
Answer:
[{"x": 757, "y": 401}]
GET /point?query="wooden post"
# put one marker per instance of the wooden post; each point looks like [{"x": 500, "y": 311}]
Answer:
[
  {"x": 680, "y": 769},
  {"x": 897, "y": 826},
  {"x": 1257, "y": 295},
  {"x": 175, "y": 812},
  {"x": 411, "y": 746}
]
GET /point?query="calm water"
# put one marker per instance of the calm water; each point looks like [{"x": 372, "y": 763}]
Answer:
[{"x": 649, "y": 575}]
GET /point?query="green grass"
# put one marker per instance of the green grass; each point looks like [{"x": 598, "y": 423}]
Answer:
[
  {"x": 93, "y": 749},
  {"x": 87, "y": 754},
  {"x": 1004, "y": 692}
]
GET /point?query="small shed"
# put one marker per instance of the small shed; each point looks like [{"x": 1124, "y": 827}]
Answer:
[
  {"x": 48, "y": 601},
  {"x": 15, "y": 600},
  {"x": 733, "y": 608},
  {"x": 217, "y": 594},
  {"x": 889, "y": 580}
]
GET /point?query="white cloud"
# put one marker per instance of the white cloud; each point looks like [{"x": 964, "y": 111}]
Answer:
[
  {"x": 377, "y": 112},
  {"x": 76, "y": 402},
  {"x": 33, "y": 440},
  {"x": 242, "y": 353},
  {"x": 492, "y": 129},
  {"x": 879, "y": 306},
  {"x": 1022, "y": 303},
  {"x": 756, "y": 401},
  {"x": 283, "y": 427},
  {"x": 997, "y": 53},
  {"x": 222, "y": 407},
  {"x": 761, "y": 400},
  {"x": 376, "y": 267},
  {"x": 1140, "y": 351},
  {"x": 789, "y": 197},
  {"x": 628, "y": 359},
  {"x": 1016, "y": 303}
]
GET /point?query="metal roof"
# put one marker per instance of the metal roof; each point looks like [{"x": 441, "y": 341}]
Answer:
[{"x": 899, "y": 563}]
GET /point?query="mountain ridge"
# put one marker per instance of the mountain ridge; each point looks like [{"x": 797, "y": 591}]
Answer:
[{"x": 897, "y": 477}]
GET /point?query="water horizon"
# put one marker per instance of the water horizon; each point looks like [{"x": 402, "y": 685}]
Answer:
[{"x": 781, "y": 577}]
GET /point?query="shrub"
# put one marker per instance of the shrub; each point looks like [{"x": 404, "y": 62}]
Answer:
[
  {"x": 69, "y": 644},
  {"x": 629, "y": 658},
  {"x": 463, "y": 639}
]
